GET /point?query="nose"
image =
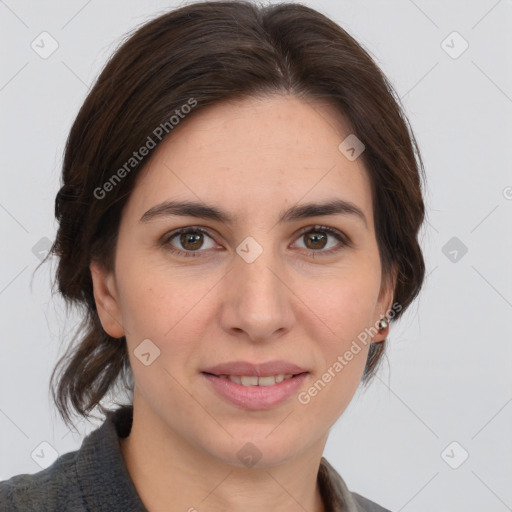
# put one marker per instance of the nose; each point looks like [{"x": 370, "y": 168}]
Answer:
[{"x": 258, "y": 299}]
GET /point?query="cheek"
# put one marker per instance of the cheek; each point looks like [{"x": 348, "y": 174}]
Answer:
[
  {"x": 328, "y": 395},
  {"x": 339, "y": 310},
  {"x": 170, "y": 312},
  {"x": 153, "y": 300},
  {"x": 344, "y": 303}
]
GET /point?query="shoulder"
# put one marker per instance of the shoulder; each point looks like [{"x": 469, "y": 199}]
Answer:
[
  {"x": 365, "y": 505},
  {"x": 338, "y": 496},
  {"x": 92, "y": 478},
  {"x": 53, "y": 488}
]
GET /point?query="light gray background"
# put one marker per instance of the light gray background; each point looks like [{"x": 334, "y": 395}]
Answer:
[{"x": 448, "y": 376}]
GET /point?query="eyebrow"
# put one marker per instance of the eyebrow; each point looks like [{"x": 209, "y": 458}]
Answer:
[{"x": 297, "y": 212}]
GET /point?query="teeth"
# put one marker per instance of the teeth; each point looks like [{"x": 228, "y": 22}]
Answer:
[
  {"x": 267, "y": 381},
  {"x": 246, "y": 380},
  {"x": 249, "y": 381}
]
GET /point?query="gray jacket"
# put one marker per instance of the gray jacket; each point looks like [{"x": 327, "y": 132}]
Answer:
[{"x": 95, "y": 478}]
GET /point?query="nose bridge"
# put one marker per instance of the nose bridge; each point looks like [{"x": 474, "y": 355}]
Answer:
[
  {"x": 258, "y": 301},
  {"x": 255, "y": 270}
]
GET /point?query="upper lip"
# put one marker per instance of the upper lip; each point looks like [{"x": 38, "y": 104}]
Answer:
[{"x": 251, "y": 369}]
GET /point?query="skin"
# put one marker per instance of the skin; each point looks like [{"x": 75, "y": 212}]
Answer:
[{"x": 253, "y": 158}]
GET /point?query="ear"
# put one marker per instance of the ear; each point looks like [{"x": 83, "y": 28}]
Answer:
[
  {"x": 384, "y": 303},
  {"x": 106, "y": 298}
]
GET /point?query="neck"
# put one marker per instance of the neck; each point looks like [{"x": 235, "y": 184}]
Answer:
[{"x": 170, "y": 474}]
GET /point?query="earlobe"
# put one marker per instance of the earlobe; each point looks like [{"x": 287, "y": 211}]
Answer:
[
  {"x": 105, "y": 296},
  {"x": 385, "y": 299},
  {"x": 380, "y": 333},
  {"x": 383, "y": 330}
]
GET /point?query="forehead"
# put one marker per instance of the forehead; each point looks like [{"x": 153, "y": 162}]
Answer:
[{"x": 245, "y": 154}]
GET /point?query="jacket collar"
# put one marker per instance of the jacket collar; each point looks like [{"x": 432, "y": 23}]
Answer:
[
  {"x": 102, "y": 472},
  {"x": 106, "y": 484}
]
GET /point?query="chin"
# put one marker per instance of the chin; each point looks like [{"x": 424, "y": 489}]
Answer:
[{"x": 250, "y": 449}]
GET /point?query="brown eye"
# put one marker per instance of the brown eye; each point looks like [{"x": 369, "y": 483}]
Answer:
[
  {"x": 316, "y": 239},
  {"x": 191, "y": 242},
  {"x": 188, "y": 241}
]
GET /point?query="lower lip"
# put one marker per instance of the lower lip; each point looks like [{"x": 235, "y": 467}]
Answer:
[{"x": 256, "y": 397}]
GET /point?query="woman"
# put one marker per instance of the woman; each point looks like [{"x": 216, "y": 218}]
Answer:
[{"x": 238, "y": 218}]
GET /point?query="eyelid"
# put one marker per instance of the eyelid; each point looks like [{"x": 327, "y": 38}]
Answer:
[
  {"x": 165, "y": 240},
  {"x": 340, "y": 235},
  {"x": 344, "y": 240}
]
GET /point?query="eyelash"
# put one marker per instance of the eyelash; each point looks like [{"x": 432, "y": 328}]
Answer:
[{"x": 341, "y": 237}]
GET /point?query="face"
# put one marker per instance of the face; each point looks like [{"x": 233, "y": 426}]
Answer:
[{"x": 250, "y": 287}]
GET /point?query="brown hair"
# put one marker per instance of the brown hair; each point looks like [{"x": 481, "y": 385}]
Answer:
[{"x": 213, "y": 51}]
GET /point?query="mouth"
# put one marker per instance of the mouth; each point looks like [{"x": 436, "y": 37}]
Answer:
[
  {"x": 254, "y": 380},
  {"x": 256, "y": 393},
  {"x": 276, "y": 369}
]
